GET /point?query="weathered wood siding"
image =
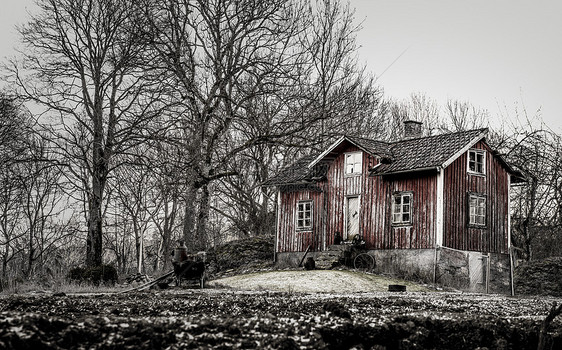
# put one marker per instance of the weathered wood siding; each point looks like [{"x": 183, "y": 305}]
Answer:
[
  {"x": 289, "y": 238},
  {"x": 458, "y": 183},
  {"x": 379, "y": 231},
  {"x": 375, "y": 209}
]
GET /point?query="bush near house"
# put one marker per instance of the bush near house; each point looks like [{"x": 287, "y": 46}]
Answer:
[
  {"x": 540, "y": 277},
  {"x": 250, "y": 253}
]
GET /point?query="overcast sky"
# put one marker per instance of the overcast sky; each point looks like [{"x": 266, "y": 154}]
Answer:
[{"x": 495, "y": 54}]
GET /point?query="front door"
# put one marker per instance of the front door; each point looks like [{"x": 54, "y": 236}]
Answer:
[{"x": 352, "y": 217}]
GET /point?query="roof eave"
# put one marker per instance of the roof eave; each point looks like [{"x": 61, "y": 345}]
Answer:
[
  {"x": 463, "y": 150},
  {"x": 327, "y": 151},
  {"x": 336, "y": 144}
]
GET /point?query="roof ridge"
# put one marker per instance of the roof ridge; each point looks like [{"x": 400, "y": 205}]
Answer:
[{"x": 447, "y": 134}]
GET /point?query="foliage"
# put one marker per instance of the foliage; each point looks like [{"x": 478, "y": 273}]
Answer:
[
  {"x": 106, "y": 274},
  {"x": 539, "y": 277},
  {"x": 240, "y": 253}
]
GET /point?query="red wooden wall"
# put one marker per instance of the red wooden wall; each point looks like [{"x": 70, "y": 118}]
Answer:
[
  {"x": 375, "y": 197},
  {"x": 493, "y": 237},
  {"x": 375, "y": 208}
]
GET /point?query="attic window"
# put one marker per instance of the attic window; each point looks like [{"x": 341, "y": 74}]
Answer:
[
  {"x": 353, "y": 163},
  {"x": 402, "y": 208},
  {"x": 477, "y": 161},
  {"x": 304, "y": 215}
]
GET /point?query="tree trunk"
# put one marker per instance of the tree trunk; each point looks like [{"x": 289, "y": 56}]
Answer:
[
  {"x": 167, "y": 236},
  {"x": 189, "y": 217},
  {"x": 100, "y": 155},
  {"x": 139, "y": 254},
  {"x": 94, "y": 239},
  {"x": 203, "y": 218}
]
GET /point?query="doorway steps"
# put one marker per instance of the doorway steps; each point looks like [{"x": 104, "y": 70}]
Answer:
[{"x": 334, "y": 256}]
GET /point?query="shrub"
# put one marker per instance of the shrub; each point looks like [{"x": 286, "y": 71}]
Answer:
[
  {"x": 95, "y": 275},
  {"x": 540, "y": 277},
  {"x": 76, "y": 274}
]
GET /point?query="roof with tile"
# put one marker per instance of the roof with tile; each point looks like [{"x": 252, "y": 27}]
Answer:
[
  {"x": 296, "y": 173},
  {"x": 428, "y": 152},
  {"x": 408, "y": 155}
]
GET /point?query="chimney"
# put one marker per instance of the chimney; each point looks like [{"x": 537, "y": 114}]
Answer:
[{"x": 412, "y": 129}]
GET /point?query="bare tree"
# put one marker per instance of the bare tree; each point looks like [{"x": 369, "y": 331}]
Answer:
[
  {"x": 463, "y": 115},
  {"x": 82, "y": 63},
  {"x": 219, "y": 55}
]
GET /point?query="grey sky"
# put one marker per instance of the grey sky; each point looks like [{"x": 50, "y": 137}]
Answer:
[{"x": 493, "y": 53}]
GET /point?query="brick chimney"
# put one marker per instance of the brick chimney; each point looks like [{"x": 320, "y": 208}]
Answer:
[{"x": 412, "y": 129}]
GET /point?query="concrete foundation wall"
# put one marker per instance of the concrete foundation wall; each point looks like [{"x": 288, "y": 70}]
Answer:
[
  {"x": 463, "y": 270},
  {"x": 412, "y": 264}
]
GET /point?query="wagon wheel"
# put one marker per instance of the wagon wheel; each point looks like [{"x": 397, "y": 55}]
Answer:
[{"x": 364, "y": 262}]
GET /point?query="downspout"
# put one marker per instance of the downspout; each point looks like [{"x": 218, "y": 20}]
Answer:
[
  {"x": 509, "y": 246},
  {"x": 439, "y": 219}
]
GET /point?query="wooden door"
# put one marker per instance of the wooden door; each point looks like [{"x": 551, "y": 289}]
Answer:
[
  {"x": 352, "y": 217},
  {"x": 478, "y": 265}
]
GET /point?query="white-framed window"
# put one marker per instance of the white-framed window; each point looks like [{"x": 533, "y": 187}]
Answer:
[
  {"x": 477, "y": 161},
  {"x": 402, "y": 208},
  {"x": 353, "y": 163},
  {"x": 476, "y": 209},
  {"x": 304, "y": 215}
]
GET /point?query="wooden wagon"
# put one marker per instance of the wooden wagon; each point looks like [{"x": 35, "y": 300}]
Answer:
[{"x": 188, "y": 266}]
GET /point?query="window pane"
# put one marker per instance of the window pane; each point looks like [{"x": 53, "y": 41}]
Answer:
[
  {"x": 480, "y": 158},
  {"x": 406, "y": 208},
  {"x": 406, "y": 199},
  {"x": 397, "y": 199},
  {"x": 396, "y": 217},
  {"x": 406, "y": 217}
]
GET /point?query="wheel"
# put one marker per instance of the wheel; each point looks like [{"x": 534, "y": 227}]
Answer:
[{"x": 364, "y": 262}]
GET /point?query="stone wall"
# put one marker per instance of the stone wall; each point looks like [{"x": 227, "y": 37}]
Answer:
[{"x": 474, "y": 271}]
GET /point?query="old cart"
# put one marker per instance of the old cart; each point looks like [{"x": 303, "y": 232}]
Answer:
[
  {"x": 188, "y": 266},
  {"x": 358, "y": 257}
]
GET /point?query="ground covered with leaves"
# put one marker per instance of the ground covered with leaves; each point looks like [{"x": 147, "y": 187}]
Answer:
[{"x": 219, "y": 318}]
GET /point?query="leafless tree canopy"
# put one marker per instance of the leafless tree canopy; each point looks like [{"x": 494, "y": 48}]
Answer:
[{"x": 156, "y": 120}]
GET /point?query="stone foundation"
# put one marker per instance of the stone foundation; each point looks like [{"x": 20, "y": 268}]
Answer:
[{"x": 462, "y": 270}]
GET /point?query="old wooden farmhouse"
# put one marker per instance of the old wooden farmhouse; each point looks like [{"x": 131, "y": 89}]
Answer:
[{"x": 436, "y": 208}]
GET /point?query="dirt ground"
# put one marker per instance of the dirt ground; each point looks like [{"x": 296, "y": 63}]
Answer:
[
  {"x": 313, "y": 281},
  {"x": 228, "y": 318}
]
